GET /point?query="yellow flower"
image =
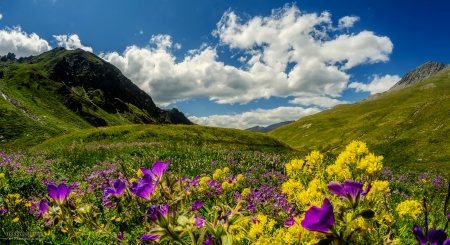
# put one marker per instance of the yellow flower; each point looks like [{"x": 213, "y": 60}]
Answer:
[
  {"x": 218, "y": 174},
  {"x": 15, "y": 220},
  {"x": 118, "y": 219},
  {"x": 113, "y": 218},
  {"x": 245, "y": 192},
  {"x": 63, "y": 229},
  {"x": 290, "y": 188},
  {"x": 47, "y": 233},
  {"x": 2, "y": 175},
  {"x": 294, "y": 167},
  {"x": 139, "y": 173},
  {"x": 410, "y": 208},
  {"x": 371, "y": 163},
  {"x": 28, "y": 204},
  {"x": 378, "y": 190},
  {"x": 226, "y": 170},
  {"x": 133, "y": 180},
  {"x": 240, "y": 177}
]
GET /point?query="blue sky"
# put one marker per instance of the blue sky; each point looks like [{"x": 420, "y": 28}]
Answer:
[{"x": 240, "y": 63}]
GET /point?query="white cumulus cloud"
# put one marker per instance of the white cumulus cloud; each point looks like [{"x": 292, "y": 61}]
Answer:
[
  {"x": 288, "y": 53},
  {"x": 258, "y": 117},
  {"x": 377, "y": 85},
  {"x": 1, "y": 16},
  {"x": 141, "y": 32},
  {"x": 347, "y": 21},
  {"x": 71, "y": 42},
  {"x": 20, "y": 43},
  {"x": 321, "y": 101}
]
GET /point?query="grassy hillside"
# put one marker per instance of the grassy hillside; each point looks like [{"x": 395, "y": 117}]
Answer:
[
  {"x": 140, "y": 144},
  {"x": 37, "y": 102},
  {"x": 409, "y": 127}
]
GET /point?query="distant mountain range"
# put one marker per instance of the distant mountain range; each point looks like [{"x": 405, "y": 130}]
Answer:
[
  {"x": 61, "y": 91},
  {"x": 409, "y": 124},
  {"x": 268, "y": 128}
]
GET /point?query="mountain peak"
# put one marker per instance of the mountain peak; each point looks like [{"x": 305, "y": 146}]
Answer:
[{"x": 420, "y": 73}]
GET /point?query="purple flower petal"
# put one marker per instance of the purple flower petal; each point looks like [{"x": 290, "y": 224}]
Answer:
[
  {"x": 337, "y": 188},
  {"x": 436, "y": 237},
  {"x": 53, "y": 192},
  {"x": 447, "y": 242},
  {"x": 159, "y": 168},
  {"x": 145, "y": 187},
  {"x": 119, "y": 187},
  {"x": 290, "y": 222},
  {"x": 418, "y": 233},
  {"x": 152, "y": 212},
  {"x": 43, "y": 207},
  {"x": 199, "y": 221},
  {"x": 149, "y": 237},
  {"x": 319, "y": 219},
  {"x": 197, "y": 205}
]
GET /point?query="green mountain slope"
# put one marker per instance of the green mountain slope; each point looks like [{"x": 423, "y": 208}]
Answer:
[
  {"x": 62, "y": 91},
  {"x": 409, "y": 127}
]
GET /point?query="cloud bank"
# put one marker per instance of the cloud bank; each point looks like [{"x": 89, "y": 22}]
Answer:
[
  {"x": 258, "y": 117},
  {"x": 20, "y": 43},
  {"x": 377, "y": 85},
  {"x": 71, "y": 42},
  {"x": 288, "y": 53}
]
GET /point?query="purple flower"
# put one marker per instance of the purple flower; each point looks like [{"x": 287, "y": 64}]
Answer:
[
  {"x": 197, "y": 205},
  {"x": 158, "y": 169},
  {"x": 319, "y": 219},
  {"x": 43, "y": 207},
  {"x": 149, "y": 237},
  {"x": 255, "y": 220},
  {"x": 3, "y": 211},
  {"x": 159, "y": 214},
  {"x": 60, "y": 193},
  {"x": 208, "y": 242},
  {"x": 351, "y": 190},
  {"x": 117, "y": 190},
  {"x": 145, "y": 187},
  {"x": 199, "y": 220},
  {"x": 435, "y": 237},
  {"x": 290, "y": 222},
  {"x": 120, "y": 236}
]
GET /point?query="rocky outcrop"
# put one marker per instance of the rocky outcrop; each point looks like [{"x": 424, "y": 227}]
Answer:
[
  {"x": 105, "y": 86},
  {"x": 420, "y": 73}
]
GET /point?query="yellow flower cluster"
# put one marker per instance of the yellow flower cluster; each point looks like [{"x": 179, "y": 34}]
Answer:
[
  {"x": 221, "y": 173},
  {"x": 245, "y": 192},
  {"x": 258, "y": 229},
  {"x": 203, "y": 183},
  {"x": 356, "y": 155},
  {"x": 227, "y": 186},
  {"x": 294, "y": 168},
  {"x": 139, "y": 173},
  {"x": 290, "y": 188},
  {"x": 378, "y": 190},
  {"x": 314, "y": 194},
  {"x": 410, "y": 208},
  {"x": 14, "y": 198},
  {"x": 2, "y": 175},
  {"x": 314, "y": 159},
  {"x": 371, "y": 163}
]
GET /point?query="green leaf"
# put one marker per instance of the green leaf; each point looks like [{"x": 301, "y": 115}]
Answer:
[{"x": 227, "y": 239}]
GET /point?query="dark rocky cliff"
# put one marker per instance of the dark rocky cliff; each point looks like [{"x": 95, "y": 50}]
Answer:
[
  {"x": 105, "y": 86},
  {"x": 420, "y": 73}
]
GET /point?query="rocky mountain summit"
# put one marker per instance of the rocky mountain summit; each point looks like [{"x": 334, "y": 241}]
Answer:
[
  {"x": 421, "y": 73},
  {"x": 104, "y": 85}
]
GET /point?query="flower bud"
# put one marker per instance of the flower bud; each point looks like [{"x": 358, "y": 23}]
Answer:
[{"x": 182, "y": 220}]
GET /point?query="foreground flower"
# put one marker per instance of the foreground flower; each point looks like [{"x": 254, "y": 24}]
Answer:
[
  {"x": 435, "y": 237},
  {"x": 149, "y": 237},
  {"x": 145, "y": 187},
  {"x": 117, "y": 190},
  {"x": 199, "y": 220},
  {"x": 158, "y": 169},
  {"x": 43, "y": 208},
  {"x": 319, "y": 219},
  {"x": 159, "y": 214},
  {"x": 351, "y": 190},
  {"x": 3, "y": 211},
  {"x": 60, "y": 193},
  {"x": 197, "y": 205}
]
